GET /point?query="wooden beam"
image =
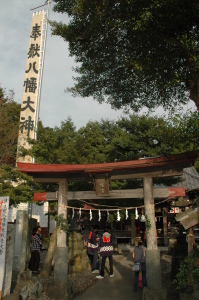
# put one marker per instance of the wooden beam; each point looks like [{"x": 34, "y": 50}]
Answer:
[
  {"x": 117, "y": 194},
  {"x": 168, "y": 173},
  {"x": 49, "y": 178}
]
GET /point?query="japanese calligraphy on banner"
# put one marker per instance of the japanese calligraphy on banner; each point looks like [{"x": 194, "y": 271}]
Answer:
[
  {"x": 32, "y": 83},
  {"x": 4, "y": 206}
]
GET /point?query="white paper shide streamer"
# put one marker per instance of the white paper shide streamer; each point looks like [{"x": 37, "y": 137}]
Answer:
[
  {"x": 126, "y": 214},
  {"x": 91, "y": 215},
  {"x": 136, "y": 213},
  {"x": 73, "y": 214},
  {"x": 99, "y": 213},
  {"x": 118, "y": 215}
]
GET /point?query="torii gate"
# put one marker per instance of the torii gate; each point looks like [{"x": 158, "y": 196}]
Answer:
[{"x": 146, "y": 169}]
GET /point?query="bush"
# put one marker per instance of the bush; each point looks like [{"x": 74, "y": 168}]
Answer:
[{"x": 188, "y": 272}]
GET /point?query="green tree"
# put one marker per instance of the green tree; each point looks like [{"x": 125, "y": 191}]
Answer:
[
  {"x": 133, "y": 53},
  {"x": 91, "y": 144},
  {"x": 9, "y": 127},
  {"x": 55, "y": 145}
]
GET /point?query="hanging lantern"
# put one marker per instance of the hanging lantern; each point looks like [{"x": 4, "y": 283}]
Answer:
[
  {"x": 107, "y": 215},
  {"x": 136, "y": 213},
  {"x": 91, "y": 215},
  {"x": 73, "y": 213},
  {"x": 80, "y": 212},
  {"x": 126, "y": 214},
  {"x": 118, "y": 215},
  {"x": 99, "y": 213}
]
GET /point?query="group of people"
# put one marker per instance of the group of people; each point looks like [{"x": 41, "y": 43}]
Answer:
[
  {"x": 35, "y": 247},
  {"x": 103, "y": 245},
  {"x": 96, "y": 244}
]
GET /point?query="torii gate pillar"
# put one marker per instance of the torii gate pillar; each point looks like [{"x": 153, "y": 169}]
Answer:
[
  {"x": 61, "y": 251},
  {"x": 153, "y": 266}
]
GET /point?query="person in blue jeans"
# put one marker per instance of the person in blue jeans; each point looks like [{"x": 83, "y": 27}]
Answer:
[
  {"x": 106, "y": 250},
  {"x": 139, "y": 256}
]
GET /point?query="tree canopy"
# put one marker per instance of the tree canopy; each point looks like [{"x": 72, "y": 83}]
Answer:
[
  {"x": 133, "y": 53},
  {"x": 9, "y": 127}
]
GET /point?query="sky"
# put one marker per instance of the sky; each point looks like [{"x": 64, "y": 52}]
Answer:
[{"x": 56, "y": 105}]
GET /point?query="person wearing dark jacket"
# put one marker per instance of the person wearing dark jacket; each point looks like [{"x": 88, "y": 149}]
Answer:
[
  {"x": 106, "y": 250},
  {"x": 93, "y": 248},
  {"x": 35, "y": 250}
]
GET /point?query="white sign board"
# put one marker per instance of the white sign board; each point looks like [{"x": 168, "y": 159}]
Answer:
[
  {"x": 175, "y": 210},
  {"x": 4, "y": 206}
]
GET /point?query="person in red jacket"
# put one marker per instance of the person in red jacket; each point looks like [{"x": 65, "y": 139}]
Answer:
[
  {"x": 93, "y": 248},
  {"x": 106, "y": 250}
]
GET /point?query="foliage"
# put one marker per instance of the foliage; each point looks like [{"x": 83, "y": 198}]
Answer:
[
  {"x": 133, "y": 53},
  {"x": 62, "y": 223},
  {"x": 188, "y": 272},
  {"x": 55, "y": 145},
  {"x": 18, "y": 186},
  {"x": 147, "y": 224},
  {"x": 110, "y": 218},
  {"x": 131, "y": 137},
  {"x": 46, "y": 241},
  {"x": 9, "y": 126}
]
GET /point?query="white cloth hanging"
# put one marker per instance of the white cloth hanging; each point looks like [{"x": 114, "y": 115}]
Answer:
[
  {"x": 136, "y": 213},
  {"x": 118, "y": 215},
  {"x": 73, "y": 213},
  {"x": 91, "y": 215},
  {"x": 99, "y": 213},
  {"x": 126, "y": 214}
]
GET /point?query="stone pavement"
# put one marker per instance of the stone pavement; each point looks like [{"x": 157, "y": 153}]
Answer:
[{"x": 120, "y": 287}]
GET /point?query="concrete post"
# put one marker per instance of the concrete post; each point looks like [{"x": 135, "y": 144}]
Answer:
[
  {"x": 150, "y": 212},
  {"x": 153, "y": 266},
  {"x": 20, "y": 252},
  {"x": 61, "y": 251}
]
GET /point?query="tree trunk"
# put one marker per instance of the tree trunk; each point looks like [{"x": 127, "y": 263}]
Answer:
[{"x": 50, "y": 255}]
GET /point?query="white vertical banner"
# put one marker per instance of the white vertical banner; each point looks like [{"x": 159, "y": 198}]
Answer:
[
  {"x": 32, "y": 83},
  {"x": 4, "y": 206}
]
